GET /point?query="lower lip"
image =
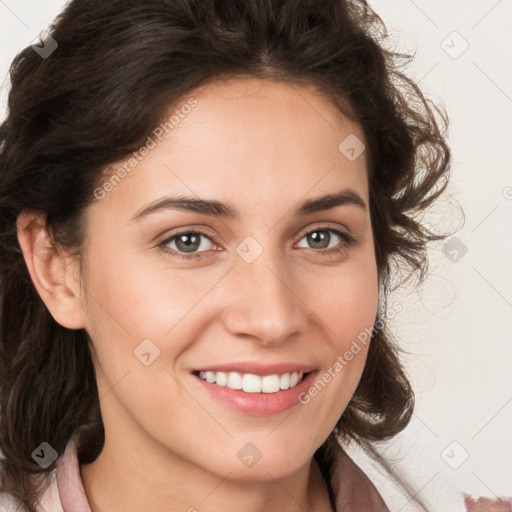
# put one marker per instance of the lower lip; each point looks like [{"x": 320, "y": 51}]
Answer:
[{"x": 258, "y": 404}]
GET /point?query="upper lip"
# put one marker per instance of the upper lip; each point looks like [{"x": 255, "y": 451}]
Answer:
[{"x": 257, "y": 368}]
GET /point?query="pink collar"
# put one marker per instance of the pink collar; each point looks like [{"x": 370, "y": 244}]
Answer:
[{"x": 69, "y": 482}]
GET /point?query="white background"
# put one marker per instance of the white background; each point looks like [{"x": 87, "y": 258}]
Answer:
[{"x": 457, "y": 327}]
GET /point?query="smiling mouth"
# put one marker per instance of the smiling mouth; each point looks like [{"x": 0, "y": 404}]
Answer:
[{"x": 251, "y": 383}]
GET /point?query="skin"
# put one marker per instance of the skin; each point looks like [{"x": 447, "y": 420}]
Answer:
[{"x": 262, "y": 147}]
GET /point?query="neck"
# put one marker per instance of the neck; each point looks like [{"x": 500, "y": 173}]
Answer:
[{"x": 122, "y": 479}]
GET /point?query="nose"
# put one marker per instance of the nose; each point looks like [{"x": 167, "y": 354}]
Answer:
[{"x": 264, "y": 301}]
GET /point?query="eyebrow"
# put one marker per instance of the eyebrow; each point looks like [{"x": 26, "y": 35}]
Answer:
[{"x": 218, "y": 209}]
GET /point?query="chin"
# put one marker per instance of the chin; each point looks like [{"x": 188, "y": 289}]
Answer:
[{"x": 272, "y": 464}]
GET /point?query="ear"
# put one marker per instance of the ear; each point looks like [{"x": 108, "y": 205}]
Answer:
[{"x": 54, "y": 275}]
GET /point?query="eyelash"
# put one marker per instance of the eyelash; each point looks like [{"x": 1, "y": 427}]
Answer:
[{"x": 348, "y": 239}]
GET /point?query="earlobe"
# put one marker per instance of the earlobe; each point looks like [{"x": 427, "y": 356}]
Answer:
[{"x": 54, "y": 278}]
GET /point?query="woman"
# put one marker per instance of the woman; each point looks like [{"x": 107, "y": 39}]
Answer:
[{"x": 172, "y": 336}]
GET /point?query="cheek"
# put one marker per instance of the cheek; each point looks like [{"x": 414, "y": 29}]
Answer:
[
  {"x": 356, "y": 319},
  {"x": 347, "y": 303},
  {"x": 349, "y": 311},
  {"x": 135, "y": 308},
  {"x": 137, "y": 300}
]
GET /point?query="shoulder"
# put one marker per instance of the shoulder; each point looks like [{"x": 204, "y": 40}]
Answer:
[
  {"x": 487, "y": 504},
  {"x": 353, "y": 489}
]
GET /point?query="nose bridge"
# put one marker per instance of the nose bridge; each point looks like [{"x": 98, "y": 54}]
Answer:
[{"x": 263, "y": 303}]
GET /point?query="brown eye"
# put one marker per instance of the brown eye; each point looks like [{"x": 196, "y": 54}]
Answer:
[
  {"x": 320, "y": 239},
  {"x": 186, "y": 244}
]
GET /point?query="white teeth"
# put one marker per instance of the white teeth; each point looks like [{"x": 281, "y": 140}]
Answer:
[
  {"x": 251, "y": 383},
  {"x": 270, "y": 384},
  {"x": 234, "y": 381},
  {"x": 221, "y": 379}
]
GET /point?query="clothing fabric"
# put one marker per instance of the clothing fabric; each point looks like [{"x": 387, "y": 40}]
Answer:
[{"x": 353, "y": 490}]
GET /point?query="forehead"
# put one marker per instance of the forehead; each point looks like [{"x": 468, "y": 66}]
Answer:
[{"x": 249, "y": 142}]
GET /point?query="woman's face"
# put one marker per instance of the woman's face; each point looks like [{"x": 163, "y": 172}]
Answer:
[{"x": 276, "y": 287}]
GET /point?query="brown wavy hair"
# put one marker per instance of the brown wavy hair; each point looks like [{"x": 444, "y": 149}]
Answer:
[{"x": 118, "y": 68}]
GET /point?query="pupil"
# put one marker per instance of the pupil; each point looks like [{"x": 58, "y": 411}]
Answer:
[
  {"x": 319, "y": 236},
  {"x": 188, "y": 246}
]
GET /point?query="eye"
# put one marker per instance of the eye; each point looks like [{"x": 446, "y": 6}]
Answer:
[
  {"x": 321, "y": 238},
  {"x": 186, "y": 244}
]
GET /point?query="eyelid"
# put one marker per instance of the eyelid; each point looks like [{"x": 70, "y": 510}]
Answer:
[
  {"x": 205, "y": 231},
  {"x": 188, "y": 229},
  {"x": 324, "y": 225}
]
